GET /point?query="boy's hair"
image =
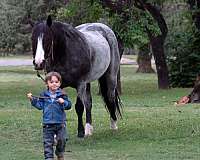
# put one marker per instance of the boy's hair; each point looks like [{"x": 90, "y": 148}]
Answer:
[{"x": 50, "y": 74}]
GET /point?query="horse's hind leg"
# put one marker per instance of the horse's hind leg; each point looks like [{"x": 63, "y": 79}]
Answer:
[{"x": 109, "y": 93}]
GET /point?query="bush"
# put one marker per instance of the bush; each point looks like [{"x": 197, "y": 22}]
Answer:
[{"x": 184, "y": 59}]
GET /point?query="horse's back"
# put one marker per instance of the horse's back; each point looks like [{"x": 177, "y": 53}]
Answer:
[
  {"x": 93, "y": 26},
  {"x": 103, "y": 29},
  {"x": 106, "y": 32},
  {"x": 105, "y": 44},
  {"x": 99, "y": 52}
]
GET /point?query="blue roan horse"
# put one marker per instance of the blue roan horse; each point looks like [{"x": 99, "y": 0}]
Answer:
[{"x": 81, "y": 55}]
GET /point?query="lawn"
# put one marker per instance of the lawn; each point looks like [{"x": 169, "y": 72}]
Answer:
[{"x": 152, "y": 128}]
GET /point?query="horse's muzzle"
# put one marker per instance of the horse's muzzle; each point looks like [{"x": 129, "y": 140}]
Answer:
[{"x": 39, "y": 66}]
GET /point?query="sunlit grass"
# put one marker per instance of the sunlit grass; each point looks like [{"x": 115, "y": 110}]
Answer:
[{"x": 133, "y": 57}]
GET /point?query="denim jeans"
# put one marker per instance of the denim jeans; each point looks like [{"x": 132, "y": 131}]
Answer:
[{"x": 49, "y": 130}]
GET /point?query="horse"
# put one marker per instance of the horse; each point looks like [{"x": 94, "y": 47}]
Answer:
[{"x": 81, "y": 55}]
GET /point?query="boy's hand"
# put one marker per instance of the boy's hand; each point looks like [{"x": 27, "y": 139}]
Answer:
[
  {"x": 29, "y": 95},
  {"x": 60, "y": 100}
]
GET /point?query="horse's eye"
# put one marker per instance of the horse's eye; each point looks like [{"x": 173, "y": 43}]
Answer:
[{"x": 45, "y": 56}]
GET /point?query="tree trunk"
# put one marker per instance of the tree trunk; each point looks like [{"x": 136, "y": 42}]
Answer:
[
  {"x": 157, "y": 44},
  {"x": 161, "y": 66},
  {"x": 144, "y": 64},
  {"x": 144, "y": 60}
]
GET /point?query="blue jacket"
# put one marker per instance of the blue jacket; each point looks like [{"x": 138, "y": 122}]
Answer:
[{"x": 53, "y": 111}]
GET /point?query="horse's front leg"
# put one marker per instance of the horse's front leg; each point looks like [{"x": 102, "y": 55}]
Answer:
[
  {"x": 86, "y": 100},
  {"x": 79, "y": 110}
]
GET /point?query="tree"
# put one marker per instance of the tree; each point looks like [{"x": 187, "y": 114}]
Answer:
[
  {"x": 9, "y": 24},
  {"x": 156, "y": 38},
  {"x": 14, "y": 30},
  {"x": 157, "y": 43}
]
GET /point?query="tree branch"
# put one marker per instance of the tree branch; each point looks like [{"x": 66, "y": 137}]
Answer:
[{"x": 155, "y": 12}]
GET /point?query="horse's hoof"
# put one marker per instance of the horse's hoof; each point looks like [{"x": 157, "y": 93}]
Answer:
[
  {"x": 88, "y": 129},
  {"x": 81, "y": 135},
  {"x": 113, "y": 124}
]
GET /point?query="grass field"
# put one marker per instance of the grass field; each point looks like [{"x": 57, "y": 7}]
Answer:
[{"x": 152, "y": 128}]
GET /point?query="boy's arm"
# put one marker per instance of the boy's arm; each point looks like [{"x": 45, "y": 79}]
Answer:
[
  {"x": 37, "y": 103},
  {"x": 67, "y": 103}
]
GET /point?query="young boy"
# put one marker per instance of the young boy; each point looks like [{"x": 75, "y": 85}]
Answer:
[{"x": 53, "y": 102}]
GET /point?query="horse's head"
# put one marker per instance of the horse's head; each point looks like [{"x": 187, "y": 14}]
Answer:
[{"x": 42, "y": 41}]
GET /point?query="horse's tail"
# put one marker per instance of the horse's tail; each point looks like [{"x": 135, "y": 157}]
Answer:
[
  {"x": 108, "y": 82},
  {"x": 113, "y": 103}
]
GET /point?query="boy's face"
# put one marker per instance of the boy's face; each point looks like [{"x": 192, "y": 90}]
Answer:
[{"x": 53, "y": 84}]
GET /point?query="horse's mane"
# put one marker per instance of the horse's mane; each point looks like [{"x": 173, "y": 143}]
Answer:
[
  {"x": 69, "y": 33},
  {"x": 69, "y": 39}
]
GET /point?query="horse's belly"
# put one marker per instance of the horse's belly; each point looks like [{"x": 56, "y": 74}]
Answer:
[{"x": 100, "y": 55}]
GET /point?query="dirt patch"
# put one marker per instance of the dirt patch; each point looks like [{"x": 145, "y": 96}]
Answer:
[{"x": 127, "y": 61}]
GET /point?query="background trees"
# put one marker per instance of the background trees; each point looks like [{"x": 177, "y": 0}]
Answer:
[
  {"x": 14, "y": 29},
  {"x": 150, "y": 25},
  {"x": 182, "y": 49}
]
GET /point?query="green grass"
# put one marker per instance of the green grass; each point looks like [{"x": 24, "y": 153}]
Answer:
[
  {"x": 133, "y": 57},
  {"x": 152, "y": 128}
]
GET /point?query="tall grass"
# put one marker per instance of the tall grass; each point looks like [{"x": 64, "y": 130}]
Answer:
[{"x": 152, "y": 128}]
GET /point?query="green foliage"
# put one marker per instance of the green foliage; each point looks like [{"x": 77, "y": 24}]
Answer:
[
  {"x": 77, "y": 12},
  {"x": 133, "y": 32},
  {"x": 130, "y": 25},
  {"x": 182, "y": 48},
  {"x": 185, "y": 65},
  {"x": 14, "y": 31},
  {"x": 9, "y": 24},
  {"x": 11, "y": 38}
]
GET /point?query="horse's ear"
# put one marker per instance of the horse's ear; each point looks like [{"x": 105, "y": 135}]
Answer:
[
  {"x": 30, "y": 21},
  {"x": 49, "y": 21}
]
